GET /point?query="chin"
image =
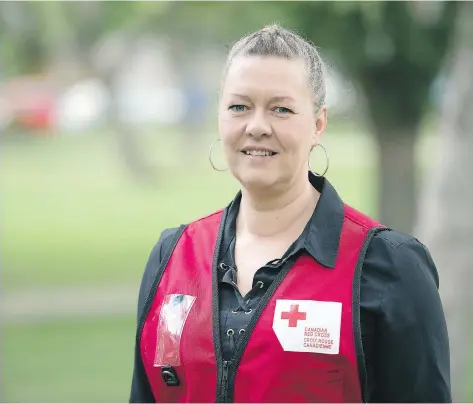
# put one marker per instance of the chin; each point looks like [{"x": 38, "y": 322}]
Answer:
[{"x": 258, "y": 182}]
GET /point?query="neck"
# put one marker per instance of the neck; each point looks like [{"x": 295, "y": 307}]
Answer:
[{"x": 269, "y": 215}]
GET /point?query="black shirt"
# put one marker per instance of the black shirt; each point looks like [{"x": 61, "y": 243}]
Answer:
[{"x": 404, "y": 334}]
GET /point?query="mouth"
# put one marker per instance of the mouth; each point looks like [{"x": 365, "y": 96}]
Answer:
[{"x": 259, "y": 153}]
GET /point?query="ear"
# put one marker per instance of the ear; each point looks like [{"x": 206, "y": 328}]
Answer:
[
  {"x": 320, "y": 125},
  {"x": 321, "y": 122}
]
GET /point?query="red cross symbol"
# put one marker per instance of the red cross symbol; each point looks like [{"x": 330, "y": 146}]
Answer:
[{"x": 293, "y": 315}]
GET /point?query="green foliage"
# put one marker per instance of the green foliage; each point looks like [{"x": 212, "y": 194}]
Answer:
[
  {"x": 390, "y": 49},
  {"x": 20, "y": 46},
  {"x": 386, "y": 48}
]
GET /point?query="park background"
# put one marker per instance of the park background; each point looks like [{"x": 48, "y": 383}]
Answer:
[{"x": 107, "y": 111}]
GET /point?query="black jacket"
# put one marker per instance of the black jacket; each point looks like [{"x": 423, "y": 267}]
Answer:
[{"x": 404, "y": 334}]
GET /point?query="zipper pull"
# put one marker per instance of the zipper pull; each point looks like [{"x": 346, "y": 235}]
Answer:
[{"x": 226, "y": 365}]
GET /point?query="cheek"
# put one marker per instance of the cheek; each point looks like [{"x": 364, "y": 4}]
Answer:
[
  {"x": 297, "y": 139},
  {"x": 229, "y": 129},
  {"x": 228, "y": 135}
]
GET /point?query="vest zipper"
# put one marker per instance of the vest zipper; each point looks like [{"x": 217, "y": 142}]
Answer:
[
  {"x": 228, "y": 391},
  {"x": 227, "y": 370},
  {"x": 226, "y": 365}
]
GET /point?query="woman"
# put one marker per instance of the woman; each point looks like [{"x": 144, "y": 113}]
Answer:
[{"x": 288, "y": 294}]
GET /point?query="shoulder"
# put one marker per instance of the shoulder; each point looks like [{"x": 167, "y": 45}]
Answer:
[
  {"x": 393, "y": 238},
  {"x": 399, "y": 270},
  {"x": 165, "y": 238},
  {"x": 159, "y": 248},
  {"x": 170, "y": 235},
  {"x": 166, "y": 241},
  {"x": 393, "y": 254},
  {"x": 213, "y": 218},
  {"x": 400, "y": 255},
  {"x": 154, "y": 261}
]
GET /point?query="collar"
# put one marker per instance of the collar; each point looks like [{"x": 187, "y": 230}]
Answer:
[{"x": 321, "y": 236}]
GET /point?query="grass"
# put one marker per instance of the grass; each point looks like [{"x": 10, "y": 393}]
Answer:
[
  {"x": 70, "y": 215},
  {"x": 87, "y": 360}
]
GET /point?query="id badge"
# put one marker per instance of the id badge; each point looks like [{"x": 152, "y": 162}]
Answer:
[{"x": 172, "y": 317}]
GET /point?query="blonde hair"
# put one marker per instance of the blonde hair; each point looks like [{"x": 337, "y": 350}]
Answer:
[{"x": 274, "y": 40}]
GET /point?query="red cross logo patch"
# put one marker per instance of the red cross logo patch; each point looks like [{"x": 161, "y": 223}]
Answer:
[
  {"x": 308, "y": 325},
  {"x": 293, "y": 315}
]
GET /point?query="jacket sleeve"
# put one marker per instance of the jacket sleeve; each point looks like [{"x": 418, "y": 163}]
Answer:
[
  {"x": 140, "y": 388},
  {"x": 410, "y": 359}
]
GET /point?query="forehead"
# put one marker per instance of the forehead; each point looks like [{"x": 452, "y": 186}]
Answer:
[{"x": 268, "y": 75}]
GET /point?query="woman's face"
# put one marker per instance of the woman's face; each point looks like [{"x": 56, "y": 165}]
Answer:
[{"x": 267, "y": 121}]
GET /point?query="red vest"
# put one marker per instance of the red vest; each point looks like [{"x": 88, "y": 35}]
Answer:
[{"x": 303, "y": 345}]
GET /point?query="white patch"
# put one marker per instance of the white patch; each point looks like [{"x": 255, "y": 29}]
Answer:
[{"x": 308, "y": 325}]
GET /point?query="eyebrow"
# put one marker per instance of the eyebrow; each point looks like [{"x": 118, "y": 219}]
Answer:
[{"x": 273, "y": 99}]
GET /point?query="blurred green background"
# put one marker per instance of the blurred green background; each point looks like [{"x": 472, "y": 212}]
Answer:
[
  {"x": 78, "y": 225},
  {"x": 108, "y": 110}
]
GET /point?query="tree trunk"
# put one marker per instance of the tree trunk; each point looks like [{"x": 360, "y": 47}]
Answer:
[
  {"x": 397, "y": 178},
  {"x": 445, "y": 222},
  {"x": 128, "y": 141}
]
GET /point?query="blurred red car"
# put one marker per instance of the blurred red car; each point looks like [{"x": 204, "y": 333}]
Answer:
[{"x": 30, "y": 102}]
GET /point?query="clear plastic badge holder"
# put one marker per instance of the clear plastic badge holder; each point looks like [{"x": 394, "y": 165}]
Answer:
[{"x": 172, "y": 318}]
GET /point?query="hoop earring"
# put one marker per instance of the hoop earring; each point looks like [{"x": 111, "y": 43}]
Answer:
[
  {"x": 210, "y": 156},
  {"x": 326, "y": 158}
]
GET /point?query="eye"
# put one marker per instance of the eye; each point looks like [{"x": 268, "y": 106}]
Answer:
[
  {"x": 283, "y": 110},
  {"x": 237, "y": 108}
]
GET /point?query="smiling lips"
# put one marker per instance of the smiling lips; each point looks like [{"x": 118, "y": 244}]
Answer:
[{"x": 261, "y": 152}]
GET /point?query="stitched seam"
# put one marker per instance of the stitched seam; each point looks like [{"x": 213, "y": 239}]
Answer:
[
  {"x": 397, "y": 245},
  {"x": 358, "y": 222},
  {"x": 208, "y": 216},
  {"x": 364, "y": 225}
]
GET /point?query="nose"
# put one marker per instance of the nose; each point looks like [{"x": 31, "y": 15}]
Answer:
[{"x": 258, "y": 125}]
